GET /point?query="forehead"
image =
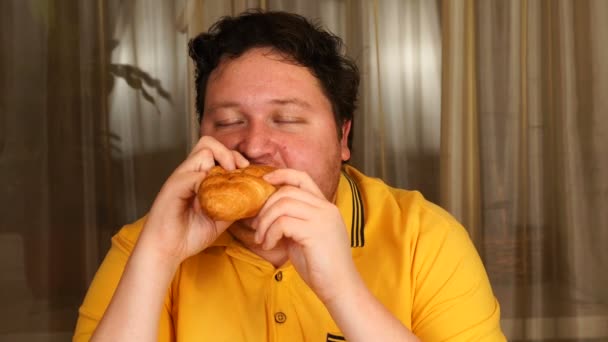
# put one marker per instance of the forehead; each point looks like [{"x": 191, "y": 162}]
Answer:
[
  {"x": 262, "y": 71},
  {"x": 253, "y": 57}
]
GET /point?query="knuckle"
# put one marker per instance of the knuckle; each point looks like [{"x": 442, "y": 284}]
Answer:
[
  {"x": 284, "y": 202},
  {"x": 205, "y": 152},
  {"x": 207, "y": 139},
  {"x": 288, "y": 190},
  {"x": 281, "y": 221}
]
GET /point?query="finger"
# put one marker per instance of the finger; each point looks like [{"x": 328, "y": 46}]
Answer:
[
  {"x": 183, "y": 185},
  {"x": 240, "y": 161},
  {"x": 289, "y": 191},
  {"x": 298, "y": 179},
  {"x": 284, "y": 207},
  {"x": 201, "y": 161},
  {"x": 206, "y": 142},
  {"x": 288, "y": 227},
  {"x": 286, "y": 196},
  {"x": 224, "y": 156}
]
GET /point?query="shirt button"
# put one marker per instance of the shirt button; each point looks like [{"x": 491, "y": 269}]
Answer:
[
  {"x": 280, "y": 317},
  {"x": 278, "y": 276}
]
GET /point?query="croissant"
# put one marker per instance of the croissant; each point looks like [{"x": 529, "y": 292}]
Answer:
[{"x": 234, "y": 195}]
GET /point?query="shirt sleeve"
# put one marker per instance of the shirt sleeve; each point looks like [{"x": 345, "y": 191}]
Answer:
[
  {"x": 453, "y": 299},
  {"x": 104, "y": 284}
]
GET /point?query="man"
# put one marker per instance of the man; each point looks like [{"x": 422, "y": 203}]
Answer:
[{"x": 332, "y": 255}]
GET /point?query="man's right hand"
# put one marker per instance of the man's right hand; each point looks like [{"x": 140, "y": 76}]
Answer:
[{"x": 176, "y": 227}]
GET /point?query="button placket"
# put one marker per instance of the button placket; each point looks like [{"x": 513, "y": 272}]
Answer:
[{"x": 280, "y": 308}]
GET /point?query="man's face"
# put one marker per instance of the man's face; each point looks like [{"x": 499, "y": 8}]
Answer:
[{"x": 274, "y": 112}]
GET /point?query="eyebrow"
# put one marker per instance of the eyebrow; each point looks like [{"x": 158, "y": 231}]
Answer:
[
  {"x": 222, "y": 105},
  {"x": 281, "y": 102},
  {"x": 292, "y": 101}
]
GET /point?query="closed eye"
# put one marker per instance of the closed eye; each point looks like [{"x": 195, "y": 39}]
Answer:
[
  {"x": 228, "y": 123},
  {"x": 288, "y": 120}
]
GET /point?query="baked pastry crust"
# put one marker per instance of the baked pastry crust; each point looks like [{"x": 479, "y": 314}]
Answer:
[{"x": 234, "y": 195}]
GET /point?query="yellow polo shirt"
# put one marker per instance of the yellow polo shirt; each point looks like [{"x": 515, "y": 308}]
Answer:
[{"x": 413, "y": 256}]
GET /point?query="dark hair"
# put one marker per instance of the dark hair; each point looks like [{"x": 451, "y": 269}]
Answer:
[{"x": 300, "y": 40}]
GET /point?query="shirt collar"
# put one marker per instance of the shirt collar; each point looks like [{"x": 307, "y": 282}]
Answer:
[{"x": 350, "y": 203}]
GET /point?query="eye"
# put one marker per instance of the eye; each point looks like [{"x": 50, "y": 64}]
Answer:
[
  {"x": 287, "y": 119},
  {"x": 228, "y": 122}
]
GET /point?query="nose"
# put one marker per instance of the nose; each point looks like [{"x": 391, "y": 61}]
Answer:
[{"x": 256, "y": 144}]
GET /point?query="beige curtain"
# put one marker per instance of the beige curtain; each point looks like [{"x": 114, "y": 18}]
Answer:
[
  {"x": 52, "y": 164},
  {"x": 495, "y": 109},
  {"x": 92, "y": 120},
  {"x": 523, "y": 156}
]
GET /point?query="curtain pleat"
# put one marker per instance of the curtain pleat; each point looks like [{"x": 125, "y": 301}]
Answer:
[
  {"x": 459, "y": 162},
  {"x": 540, "y": 121}
]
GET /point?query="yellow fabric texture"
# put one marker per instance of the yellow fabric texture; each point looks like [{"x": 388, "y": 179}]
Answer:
[{"x": 414, "y": 257}]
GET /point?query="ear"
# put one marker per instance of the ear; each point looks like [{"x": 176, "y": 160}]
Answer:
[{"x": 344, "y": 150}]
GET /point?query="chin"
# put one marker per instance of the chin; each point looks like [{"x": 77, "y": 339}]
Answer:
[{"x": 243, "y": 224}]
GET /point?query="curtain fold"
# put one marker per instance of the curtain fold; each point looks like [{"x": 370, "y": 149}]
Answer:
[
  {"x": 541, "y": 115},
  {"x": 92, "y": 121},
  {"x": 495, "y": 109},
  {"x": 459, "y": 161},
  {"x": 396, "y": 127}
]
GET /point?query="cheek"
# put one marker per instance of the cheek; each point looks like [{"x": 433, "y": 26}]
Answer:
[
  {"x": 205, "y": 127},
  {"x": 304, "y": 153},
  {"x": 229, "y": 140},
  {"x": 295, "y": 153},
  {"x": 291, "y": 153}
]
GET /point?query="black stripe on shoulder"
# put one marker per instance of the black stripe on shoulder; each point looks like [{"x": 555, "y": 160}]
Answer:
[
  {"x": 333, "y": 338},
  {"x": 357, "y": 236}
]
